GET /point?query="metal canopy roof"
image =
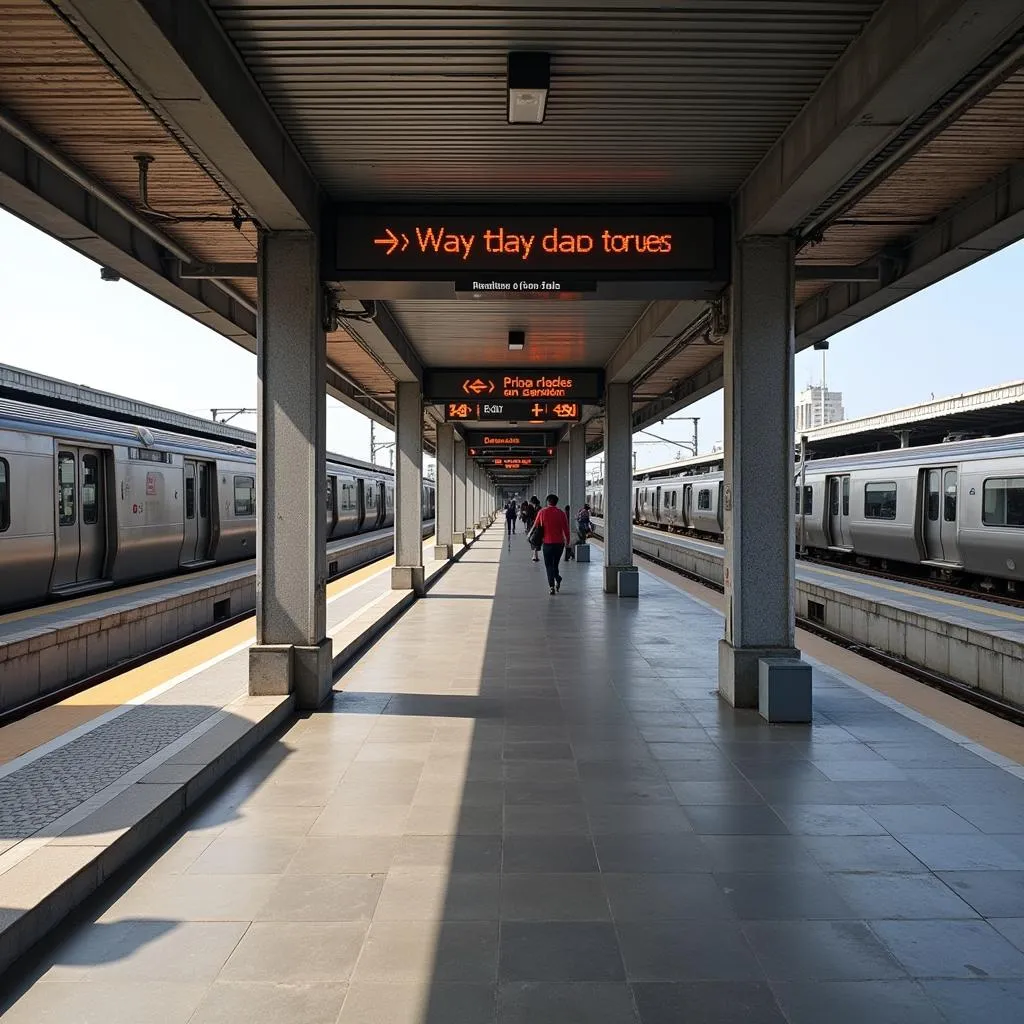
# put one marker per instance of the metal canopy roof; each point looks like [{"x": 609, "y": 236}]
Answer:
[
  {"x": 878, "y": 132},
  {"x": 987, "y": 412},
  {"x": 649, "y": 100}
]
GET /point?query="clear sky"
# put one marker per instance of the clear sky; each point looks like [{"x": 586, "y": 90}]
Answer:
[{"x": 58, "y": 318}]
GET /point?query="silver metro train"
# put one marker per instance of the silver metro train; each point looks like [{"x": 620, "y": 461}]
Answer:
[
  {"x": 87, "y": 503},
  {"x": 955, "y": 509}
]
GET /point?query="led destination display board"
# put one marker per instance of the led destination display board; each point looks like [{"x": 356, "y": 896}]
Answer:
[
  {"x": 514, "y": 411},
  {"x": 482, "y": 244},
  {"x": 491, "y": 439},
  {"x": 491, "y": 385},
  {"x": 533, "y": 453}
]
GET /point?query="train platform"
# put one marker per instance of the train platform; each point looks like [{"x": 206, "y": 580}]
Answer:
[
  {"x": 48, "y": 649},
  {"x": 529, "y": 808},
  {"x": 86, "y": 783},
  {"x": 968, "y": 640},
  {"x": 970, "y": 612}
]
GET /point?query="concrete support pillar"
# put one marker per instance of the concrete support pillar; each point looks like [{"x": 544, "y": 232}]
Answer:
[
  {"x": 460, "y": 494},
  {"x": 407, "y": 573},
  {"x": 577, "y": 467},
  {"x": 444, "y": 495},
  {"x": 562, "y": 471},
  {"x": 618, "y": 484},
  {"x": 757, "y": 496},
  {"x": 292, "y": 651}
]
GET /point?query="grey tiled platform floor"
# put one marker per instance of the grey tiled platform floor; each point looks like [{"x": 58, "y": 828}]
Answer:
[{"x": 524, "y": 808}]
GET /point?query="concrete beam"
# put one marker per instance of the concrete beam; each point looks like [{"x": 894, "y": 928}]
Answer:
[
  {"x": 657, "y": 328},
  {"x": 704, "y": 382},
  {"x": 383, "y": 337},
  {"x": 176, "y": 56},
  {"x": 989, "y": 220},
  {"x": 344, "y": 391},
  {"x": 44, "y": 196},
  {"x": 910, "y": 54}
]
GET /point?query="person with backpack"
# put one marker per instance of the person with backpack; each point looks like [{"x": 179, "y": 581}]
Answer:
[
  {"x": 551, "y": 530},
  {"x": 532, "y": 508},
  {"x": 570, "y": 551},
  {"x": 510, "y": 517},
  {"x": 584, "y": 525}
]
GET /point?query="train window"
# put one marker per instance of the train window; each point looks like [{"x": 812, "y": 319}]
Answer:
[
  {"x": 808, "y": 499},
  {"x": 245, "y": 495},
  {"x": 833, "y": 497},
  {"x": 5, "y": 495},
  {"x": 90, "y": 490},
  {"x": 204, "y": 492},
  {"x": 704, "y": 498},
  {"x": 949, "y": 496},
  {"x": 846, "y": 497},
  {"x": 371, "y": 496},
  {"x": 933, "y": 495},
  {"x": 190, "y": 497},
  {"x": 66, "y": 488},
  {"x": 330, "y": 494},
  {"x": 1003, "y": 502},
  {"x": 880, "y": 501}
]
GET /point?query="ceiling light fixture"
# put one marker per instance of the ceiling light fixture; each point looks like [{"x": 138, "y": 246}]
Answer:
[
  {"x": 529, "y": 78},
  {"x": 516, "y": 341}
]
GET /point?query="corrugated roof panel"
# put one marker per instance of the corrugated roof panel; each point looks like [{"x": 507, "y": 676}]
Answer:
[
  {"x": 52, "y": 81},
  {"x": 974, "y": 149},
  {"x": 401, "y": 99}
]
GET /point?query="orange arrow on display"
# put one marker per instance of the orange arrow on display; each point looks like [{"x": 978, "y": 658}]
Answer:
[{"x": 391, "y": 241}]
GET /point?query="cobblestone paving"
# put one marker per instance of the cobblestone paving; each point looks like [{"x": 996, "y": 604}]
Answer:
[{"x": 58, "y": 782}]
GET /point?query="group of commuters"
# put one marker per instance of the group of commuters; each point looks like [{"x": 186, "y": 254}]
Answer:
[{"x": 547, "y": 532}]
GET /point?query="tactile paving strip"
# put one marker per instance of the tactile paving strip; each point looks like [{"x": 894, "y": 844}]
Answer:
[{"x": 58, "y": 782}]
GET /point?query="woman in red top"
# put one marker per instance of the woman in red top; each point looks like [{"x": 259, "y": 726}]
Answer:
[{"x": 555, "y": 524}]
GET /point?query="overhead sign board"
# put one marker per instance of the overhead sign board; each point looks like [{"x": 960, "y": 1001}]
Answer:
[
  {"x": 535, "y": 250},
  {"x": 534, "y": 453},
  {"x": 513, "y": 412},
  {"x": 512, "y": 462},
  {"x": 498, "y": 385},
  {"x": 490, "y": 439}
]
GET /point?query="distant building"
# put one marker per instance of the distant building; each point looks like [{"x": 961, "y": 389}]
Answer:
[{"x": 810, "y": 406}]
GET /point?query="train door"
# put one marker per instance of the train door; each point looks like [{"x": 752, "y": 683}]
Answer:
[
  {"x": 657, "y": 505},
  {"x": 196, "y": 545},
  {"x": 940, "y": 515},
  {"x": 332, "y": 505},
  {"x": 839, "y": 511},
  {"x": 81, "y": 519},
  {"x": 687, "y": 504}
]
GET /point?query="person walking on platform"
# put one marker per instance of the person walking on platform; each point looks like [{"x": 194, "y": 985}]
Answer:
[
  {"x": 570, "y": 552},
  {"x": 510, "y": 517},
  {"x": 552, "y": 528},
  {"x": 532, "y": 511}
]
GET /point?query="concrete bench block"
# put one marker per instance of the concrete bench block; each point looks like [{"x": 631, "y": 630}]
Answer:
[
  {"x": 784, "y": 690},
  {"x": 582, "y": 552},
  {"x": 629, "y": 583}
]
